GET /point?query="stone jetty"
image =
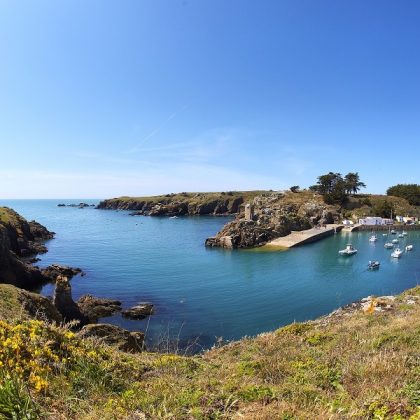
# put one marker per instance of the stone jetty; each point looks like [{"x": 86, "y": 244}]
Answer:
[{"x": 296, "y": 238}]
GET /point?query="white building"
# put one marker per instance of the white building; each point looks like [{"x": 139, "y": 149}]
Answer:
[{"x": 372, "y": 221}]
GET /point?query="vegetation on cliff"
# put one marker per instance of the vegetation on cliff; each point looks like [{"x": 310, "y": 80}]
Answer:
[{"x": 360, "y": 362}]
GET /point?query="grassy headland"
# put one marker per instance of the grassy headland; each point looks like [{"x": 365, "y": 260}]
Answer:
[
  {"x": 183, "y": 203},
  {"x": 357, "y": 363}
]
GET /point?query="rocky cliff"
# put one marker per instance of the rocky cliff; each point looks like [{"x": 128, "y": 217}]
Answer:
[
  {"x": 19, "y": 239},
  {"x": 223, "y": 203},
  {"x": 272, "y": 215}
]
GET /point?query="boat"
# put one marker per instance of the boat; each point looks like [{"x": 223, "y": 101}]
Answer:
[
  {"x": 349, "y": 250},
  {"x": 373, "y": 238},
  {"x": 384, "y": 234},
  {"x": 397, "y": 253},
  {"x": 173, "y": 217},
  {"x": 389, "y": 245},
  {"x": 400, "y": 235},
  {"x": 404, "y": 233},
  {"x": 373, "y": 265},
  {"x": 395, "y": 241},
  {"x": 393, "y": 232},
  {"x": 409, "y": 248}
]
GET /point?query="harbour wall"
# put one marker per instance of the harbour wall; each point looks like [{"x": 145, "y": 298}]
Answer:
[{"x": 397, "y": 228}]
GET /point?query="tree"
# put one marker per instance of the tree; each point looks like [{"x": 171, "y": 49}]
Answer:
[
  {"x": 332, "y": 187},
  {"x": 353, "y": 183},
  {"x": 335, "y": 188},
  {"x": 295, "y": 188},
  {"x": 411, "y": 192}
]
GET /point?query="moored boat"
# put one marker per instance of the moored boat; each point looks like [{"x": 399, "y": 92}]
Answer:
[
  {"x": 373, "y": 265},
  {"x": 373, "y": 238},
  {"x": 393, "y": 232},
  {"x": 389, "y": 245},
  {"x": 395, "y": 241},
  {"x": 349, "y": 250},
  {"x": 409, "y": 248},
  {"x": 397, "y": 253}
]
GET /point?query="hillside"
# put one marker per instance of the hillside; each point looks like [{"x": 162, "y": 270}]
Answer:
[{"x": 360, "y": 362}]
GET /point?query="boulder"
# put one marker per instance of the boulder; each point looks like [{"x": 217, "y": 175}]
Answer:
[
  {"x": 94, "y": 308},
  {"x": 140, "y": 311},
  {"x": 124, "y": 340}
]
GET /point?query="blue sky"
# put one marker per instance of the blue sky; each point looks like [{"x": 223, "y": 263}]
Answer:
[{"x": 107, "y": 98}]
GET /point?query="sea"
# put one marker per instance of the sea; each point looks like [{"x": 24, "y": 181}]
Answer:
[{"x": 204, "y": 296}]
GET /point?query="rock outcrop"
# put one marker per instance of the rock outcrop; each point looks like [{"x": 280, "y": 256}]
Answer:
[
  {"x": 65, "y": 304},
  {"x": 271, "y": 216},
  {"x": 51, "y": 272},
  {"x": 94, "y": 308},
  {"x": 132, "y": 342}
]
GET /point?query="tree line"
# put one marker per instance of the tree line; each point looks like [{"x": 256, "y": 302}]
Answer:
[{"x": 411, "y": 192}]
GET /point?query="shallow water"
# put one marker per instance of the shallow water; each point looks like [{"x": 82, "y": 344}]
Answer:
[{"x": 211, "y": 293}]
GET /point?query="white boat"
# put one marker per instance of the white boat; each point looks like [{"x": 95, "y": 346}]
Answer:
[
  {"x": 373, "y": 265},
  {"x": 395, "y": 241},
  {"x": 349, "y": 250},
  {"x": 373, "y": 238},
  {"x": 384, "y": 234},
  {"x": 397, "y": 253},
  {"x": 173, "y": 217},
  {"x": 400, "y": 235},
  {"x": 393, "y": 232},
  {"x": 404, "y": 233},
  {"x": 409, "y": 248},
  {"x": 389, "y": 245}
]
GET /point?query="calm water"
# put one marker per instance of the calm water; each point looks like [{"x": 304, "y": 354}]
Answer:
[{"x": 209, "y": 293}]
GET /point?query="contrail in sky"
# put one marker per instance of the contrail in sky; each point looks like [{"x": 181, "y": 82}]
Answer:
[{"x": 156, "y": 130}]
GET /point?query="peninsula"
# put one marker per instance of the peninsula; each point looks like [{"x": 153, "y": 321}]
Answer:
[{"x": 180, "y": 204}]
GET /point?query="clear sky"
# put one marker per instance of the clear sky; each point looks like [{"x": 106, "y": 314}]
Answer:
[{"x": 103, "y": 98}]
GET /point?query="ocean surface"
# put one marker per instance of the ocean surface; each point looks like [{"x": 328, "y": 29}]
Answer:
[{"x": 206, "y": 295}]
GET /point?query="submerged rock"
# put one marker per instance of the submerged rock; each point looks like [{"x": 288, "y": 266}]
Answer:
[
  {"x": 140, "y": 311},
  {"x": 95, "y": 308},
  {"x": 124, "y": 340}
]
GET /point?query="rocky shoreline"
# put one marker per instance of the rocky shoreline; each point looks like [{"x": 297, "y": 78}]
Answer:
[{"x": 20, "y": 239}]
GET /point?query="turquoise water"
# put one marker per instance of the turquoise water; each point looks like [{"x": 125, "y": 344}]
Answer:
[{"x": 202, "y": 294}]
